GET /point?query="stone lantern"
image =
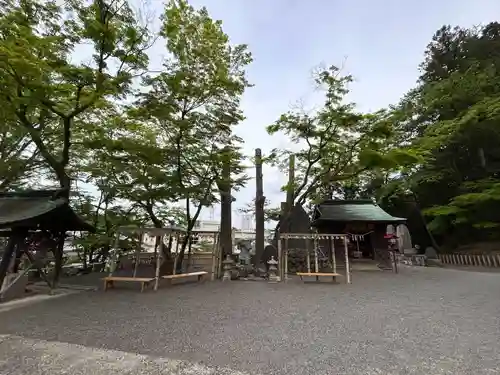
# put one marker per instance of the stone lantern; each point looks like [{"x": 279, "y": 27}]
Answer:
[
  {"x": 272, "y": 269},
  {"x": 228, "y": 264}
]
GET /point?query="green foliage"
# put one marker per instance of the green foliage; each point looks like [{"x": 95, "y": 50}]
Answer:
[
  {"x": 339, "y": 143},
  {"x": 192, "y": 106},
  {"x": 68, "y": 117},
  {"x": 270, "y": 213},
  {"x": 154, "y": 145},
  {"x": 43, "y": 90},
  {"x": 453, "y": 119}
]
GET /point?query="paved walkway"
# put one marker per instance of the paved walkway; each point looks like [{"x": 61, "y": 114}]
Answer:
[
  {"x": 28, "y": 356},
  {"x": 421, "y": 321}
]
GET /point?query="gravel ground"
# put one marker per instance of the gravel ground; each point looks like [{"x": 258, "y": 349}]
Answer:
[{"x": 421, "y": 321}]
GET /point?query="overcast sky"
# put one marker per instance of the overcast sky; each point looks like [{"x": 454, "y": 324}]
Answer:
[{"x": 382, "y": 43}]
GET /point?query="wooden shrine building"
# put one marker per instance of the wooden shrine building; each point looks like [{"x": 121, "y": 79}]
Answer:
[
  {"x": 364, "y": 221},
  {"x": 27, "y": 213}
]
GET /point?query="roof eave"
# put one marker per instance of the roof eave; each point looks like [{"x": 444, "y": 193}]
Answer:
[{"x": 390, "y": 221}]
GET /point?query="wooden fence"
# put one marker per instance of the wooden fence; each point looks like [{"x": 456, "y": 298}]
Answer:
[{"x": 483, "y": 260}]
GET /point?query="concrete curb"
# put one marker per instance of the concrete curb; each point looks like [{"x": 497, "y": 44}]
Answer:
[{"x": 18, "y": 303}]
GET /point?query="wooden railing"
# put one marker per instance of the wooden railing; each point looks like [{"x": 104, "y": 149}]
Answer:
[{"x": 482, "y": 260}]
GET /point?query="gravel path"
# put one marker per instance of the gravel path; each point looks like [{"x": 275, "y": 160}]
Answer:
[{"x": 421, "y": 321}]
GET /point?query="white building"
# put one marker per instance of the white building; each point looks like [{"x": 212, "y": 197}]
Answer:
[{"x": 206, "y": 225}]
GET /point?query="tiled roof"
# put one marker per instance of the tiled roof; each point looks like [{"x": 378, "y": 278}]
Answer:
[
  {"x": 353, "y": 210},
  {"x": 38, "y": 209}
]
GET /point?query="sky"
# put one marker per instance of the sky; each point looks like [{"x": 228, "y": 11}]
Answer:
[{"x": 381, "y": 43}]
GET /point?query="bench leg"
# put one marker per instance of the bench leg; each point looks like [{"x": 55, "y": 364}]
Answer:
[
  {"x": 334, "y": 278},
  {"x": 317, "y": 278},
  {"x": 108, "y": 284},
  {"x": 145, "y": 285},
  {"x": 200, "y": 277}
]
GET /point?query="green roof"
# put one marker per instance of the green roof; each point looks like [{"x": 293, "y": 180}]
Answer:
[
  {"x": 39, "y": 209},
  {"x": 352, "y": 210}
]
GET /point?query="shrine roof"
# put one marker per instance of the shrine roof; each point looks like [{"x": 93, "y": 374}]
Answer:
[
  {"x": 39, "y": 209},
  {"x": 352, "y": 211}
]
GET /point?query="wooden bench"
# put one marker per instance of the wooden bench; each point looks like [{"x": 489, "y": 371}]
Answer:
[
  {"x": 199, "y": 274},
  {"x": 145, "y": 281},
  {"x": 318, "y": 274}
]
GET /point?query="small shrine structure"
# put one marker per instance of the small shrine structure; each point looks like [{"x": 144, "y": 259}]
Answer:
[
  {"x": 364, "y": 222},
  {"x": 35, "y": 222}
]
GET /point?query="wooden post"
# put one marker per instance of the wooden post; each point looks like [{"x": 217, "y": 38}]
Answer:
[
  {"x": 279, "y": 258},
  {"x": 308, "y": 256},
  {"x": 347, "y": 269},
  {"x": 494, "y": 260},
  {"x": 285, "y": 260},
  {"x": 137, "y": 252},
  {"x": 176, "y": 251},
  {"x": 286, "y": 264},
  {"x": 158, "y": 261},
  {"x": 334, "y": 260},
  {"x": 260, "y": 200},
  {"x": 214, "y": 258},
  {"x": 316, "y": 265}
]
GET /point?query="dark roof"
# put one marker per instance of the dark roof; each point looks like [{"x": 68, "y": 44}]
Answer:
[
  {"x": 352, "y": 210},
  {"x": 39, "y": 209}
]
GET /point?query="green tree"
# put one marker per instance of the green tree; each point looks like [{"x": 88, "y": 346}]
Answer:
[
  {"x": 193, "y": 105},
  {"x": 340, "y": 144},
  {"x": 270, "y": 213},
  {"x": 42, "y": 85},
  {"x": 19, "y": 158},
  {"x": 451, "y": 120}
]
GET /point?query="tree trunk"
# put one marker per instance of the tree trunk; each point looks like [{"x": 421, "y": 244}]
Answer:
[
  {"x": 260, "y": 200},
  {"x": 190, "y": 245},
  {"x": 58, "y": 258},
  {"x": 7, "y": 256},
  {"x": 414, "y": 203},
  {"x": 182, "y": 250},
  {"x": 226, "y": 239}
]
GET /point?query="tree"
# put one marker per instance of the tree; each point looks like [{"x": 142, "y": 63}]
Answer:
[
  {"x": 270, "y": 213},
  {"x": 193, "y": 104},
  {"x": 106, "y": 216},
  {"x": 339, "y": 143},
  {"x": 20, "y": 159},
  {"x": 45, "y": 91},
  {"x": 41, "y": 85},
  {"x": 451, "y": 120}
]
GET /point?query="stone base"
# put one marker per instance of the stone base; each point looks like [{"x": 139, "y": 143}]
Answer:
[
  {"x": 414, "y": 260},
  {"x": 434, "y": 263},
  {"x": 410, "y": 252},
  {"x": 235, "y": 274}
]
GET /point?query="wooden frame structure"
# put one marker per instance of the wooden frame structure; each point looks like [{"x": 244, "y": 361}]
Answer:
[
  {"x": 159, "y": 233},
  {"x": 32, "y": 212},
  {"x": 283, "y": 254},
  {"x": 216, "y": 256}
]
